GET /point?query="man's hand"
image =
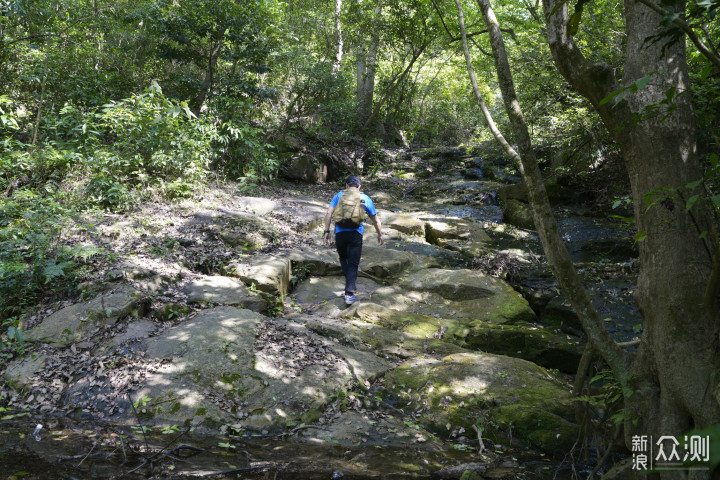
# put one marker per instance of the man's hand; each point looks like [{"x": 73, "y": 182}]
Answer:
[
  {"x": 380, "y": 238},
  {"x": 327, "y": 238}
]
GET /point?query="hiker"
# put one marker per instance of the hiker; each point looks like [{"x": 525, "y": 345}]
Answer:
[{"x": 347, "y": 208}]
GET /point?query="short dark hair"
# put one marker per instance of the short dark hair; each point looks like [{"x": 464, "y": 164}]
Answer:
[{"x": 352, "y": 181}]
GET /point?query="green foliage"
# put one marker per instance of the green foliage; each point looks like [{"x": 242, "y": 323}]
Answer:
[
  {"x": 30, "y": 261},
  {"x": 12, "y": 339}
]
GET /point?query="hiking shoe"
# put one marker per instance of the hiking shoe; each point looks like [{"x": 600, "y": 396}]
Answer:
[{"x": 350, "y": 299}]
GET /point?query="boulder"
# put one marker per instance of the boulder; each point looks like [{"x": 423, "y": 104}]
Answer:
[
  {"x": 307, "y": 213},
  {"x": 407, "y": 223},
  {"x": 376, "y": 262},
  {"x": 326, "y": 294},
  {"x": 77, "y": 321},
  {"x": 306, "y": 168},
  {"x": 267, "y": 273},
  {"x": 315, "y": 262},
  {"x": 503, "y": 394},
  {"x": 247, "y": 232},
  {"x": 466, "y": 294},
  {"x": 256, "y": 205},
  {"x": 515, "y": 191},
  {"x": 438, "y": 229},
  {"x": 20, "y": 372},
  {"x": 214, "y": 371},
  {"x": 421, "y": 333},
  {"x": 519, "y": 214},
  {"x": 218, "y": 290},
  {"x": 558, "y": 313},
  {"x": 543, "y": 346}
]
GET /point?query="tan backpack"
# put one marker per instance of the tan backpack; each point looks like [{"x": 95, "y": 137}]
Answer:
[{"x": 349, "y": 212}]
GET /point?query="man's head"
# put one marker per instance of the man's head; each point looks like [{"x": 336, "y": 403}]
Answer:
[{"x": 352, "y": 181}]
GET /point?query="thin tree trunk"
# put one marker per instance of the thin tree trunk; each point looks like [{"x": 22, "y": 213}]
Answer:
[
  {"x": 338, "y": 38},
  {"x": 393, "y": 86},
  {"x": 209, "y": 76},
  {"x": 41, "y": 101},
  {"x": 557, "y": 254},
  {"x": 366, "y": 74}
]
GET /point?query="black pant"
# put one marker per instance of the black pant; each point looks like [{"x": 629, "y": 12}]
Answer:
[{"x": 349, "y": 248}]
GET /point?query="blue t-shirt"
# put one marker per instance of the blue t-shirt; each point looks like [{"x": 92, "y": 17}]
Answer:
[{"x": 365, "y": 202}]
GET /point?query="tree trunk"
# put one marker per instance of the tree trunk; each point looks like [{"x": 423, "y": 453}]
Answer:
[
  {"x": 675, "y": 368},
  {"x": 207, "y": 84},
  {"x": 338, "y": 38},
  {"x": 366, "y": 74},
  {"x": 394, "y": 83}
]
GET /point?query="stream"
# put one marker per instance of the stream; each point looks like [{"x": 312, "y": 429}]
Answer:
[{"x": 64, "y": 448}]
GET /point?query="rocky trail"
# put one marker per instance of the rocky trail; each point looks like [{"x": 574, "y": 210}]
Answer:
[{"x": 224, "y": 316}]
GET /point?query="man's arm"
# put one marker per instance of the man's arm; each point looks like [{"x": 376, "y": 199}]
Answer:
[
  {"x": 328, "y": 219},
  {"x": 378, "y": 228}
]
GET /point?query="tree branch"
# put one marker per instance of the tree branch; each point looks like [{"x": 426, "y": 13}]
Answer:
[{"x": 702, "y": 48}]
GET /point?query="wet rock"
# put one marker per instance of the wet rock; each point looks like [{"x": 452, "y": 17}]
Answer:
[
  {"x": 218, "y": 290},
  {"x": 76, "y": 321},
  {"x": 461, "y": 389},
  {"x": 519, "y": 214},
  {"x": 559, "y": 313},
  {"x": 267, "y": 273}
]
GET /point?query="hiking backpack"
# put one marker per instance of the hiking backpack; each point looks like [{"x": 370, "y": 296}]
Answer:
[{"x": 350, "y": 210}]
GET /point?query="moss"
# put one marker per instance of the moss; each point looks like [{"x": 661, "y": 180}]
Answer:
[
  {"x": 202, "y": 411},
  {"x": 469, "y": 475},
  {"x": 541, "y": 429},
  {"x": 311, "y": 416},
  {"x": 230, "y": 378},
  {"x": 513, "y": 309},
  {"x": 175, "y": 408}
]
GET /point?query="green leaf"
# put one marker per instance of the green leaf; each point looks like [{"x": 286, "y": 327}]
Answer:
[
  {"x": 640, "y": 236},
  {"x": 669, "y": 18},
  {"x": 613, "y": 95},
  {"x": 715, "y": 200},
  {"x": 693, "y": 185},
  {"x": 714, "y": 159},
  {"x": 691, "y": 201},
  {"x": 641, "y": 83}
]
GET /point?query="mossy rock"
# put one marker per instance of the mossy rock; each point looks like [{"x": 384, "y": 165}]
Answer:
[
  {"x": 519, "y": 214},
  {"x": 464, "y": 389},
  {"x": 530, "y": 342},
  {"x": 541, "y": 429},
  {"x": 171, "y": 311}
]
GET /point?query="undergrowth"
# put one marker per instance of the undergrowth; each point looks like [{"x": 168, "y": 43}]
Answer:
[{"x": 110, "y": 159}]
